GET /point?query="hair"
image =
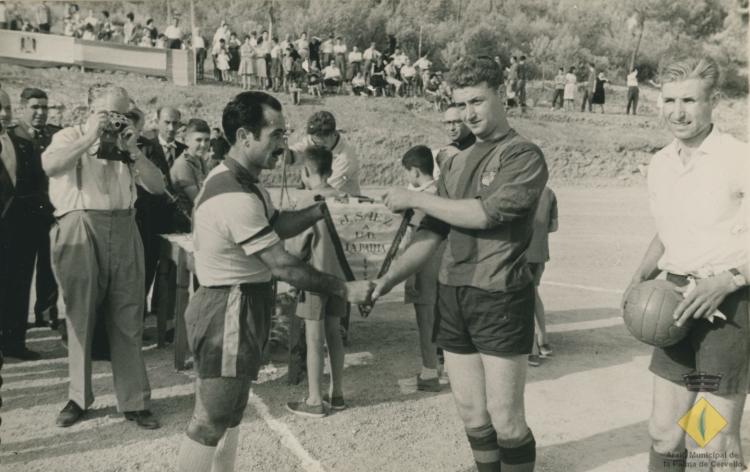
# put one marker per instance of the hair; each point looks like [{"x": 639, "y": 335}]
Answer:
[
  {"x": 196, "y": 125},
  {"x": 30, "y": 92},
  {"x": 318, "y": 160},
  {"x": 149, "y": 21},
  {"x": 97, "y": 91},
  {"x": 275, "y": 39},
  {"x": 420, "y": 157},
  {"x": 470, "y": 71},
  {"x": 130, "y": 16},
  {"x": 160, "y": 109},
  {"x": 105, "y": 13},
  {"x": 321, "y": 123},
  {"x": 705, "y": 68},
  {"x": 222, "y": 41},
  {"x": 562, "y": 69},
  {"x": 247, "y": 110},
  {"x": 572, "y": 68},
  {"x": 523, "y": 58},
  {"x": 220, "y": 147}
]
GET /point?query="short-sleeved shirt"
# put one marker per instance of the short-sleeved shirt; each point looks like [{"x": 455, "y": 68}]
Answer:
[
  {"x": 507, "y": 176},
  {"x": 700, "y": 208},
  {"x": 92, "y": 184},
  {"x": 345, "y": 168},
  {"x": 187, "y": 171},
  {"x": 545, "y": 221},
  {"x": 232, "y": 222}
]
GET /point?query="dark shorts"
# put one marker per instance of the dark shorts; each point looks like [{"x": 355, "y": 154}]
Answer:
[
  {"x": 316, "y": 307},
  {"x": 473, "y": 320},
  {"x": 227, "y": 329},
  {"x": 537, "y": 270},
  {"x": 720, "y": 348}
]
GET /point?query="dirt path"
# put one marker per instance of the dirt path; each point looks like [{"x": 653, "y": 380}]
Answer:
[{"x": 588, "y": 405}]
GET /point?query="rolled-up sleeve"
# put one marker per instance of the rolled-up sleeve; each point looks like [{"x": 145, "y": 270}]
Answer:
[{"x": 516, "y": 187}]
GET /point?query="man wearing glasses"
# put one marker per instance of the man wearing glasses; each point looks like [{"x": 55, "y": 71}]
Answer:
[{"x": 460, "y": 135}]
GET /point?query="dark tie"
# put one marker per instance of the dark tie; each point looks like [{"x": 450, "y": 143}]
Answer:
[{"x": 170, "y": 154}]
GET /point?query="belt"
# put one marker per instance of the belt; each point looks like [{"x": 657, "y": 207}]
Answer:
[{"x": 243, "y": 286}]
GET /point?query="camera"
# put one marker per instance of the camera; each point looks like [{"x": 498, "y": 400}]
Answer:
[{"x": 109, "y": 141}]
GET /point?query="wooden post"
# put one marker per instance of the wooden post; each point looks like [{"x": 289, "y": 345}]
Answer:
[{"x": 419, "y": 48}]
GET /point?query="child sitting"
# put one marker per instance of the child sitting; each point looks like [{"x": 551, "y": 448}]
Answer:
[{"x": 321, "y": 312}]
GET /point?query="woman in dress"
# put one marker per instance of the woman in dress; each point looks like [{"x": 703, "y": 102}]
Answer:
[
  {"x": 261, "y": 49},
  {"x": 247, "y": 63},
  {"x": 569, "y": 94},
  {"x": 598, "y": 98}
]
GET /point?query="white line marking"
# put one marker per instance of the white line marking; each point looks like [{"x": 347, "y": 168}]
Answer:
[
  {"x": 584, "y": 287},
  {"x": 583, "y": 325},
  {"x": 40, "y": 340},
  {"x": 288, "y": 439}
]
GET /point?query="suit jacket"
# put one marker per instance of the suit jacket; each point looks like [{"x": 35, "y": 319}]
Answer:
[
  {"x": 179, "y": 149},
  {"x": 26, "y": 155},
  {"x": 42, "y": 139},
  {"x": 157, "y": 214}
]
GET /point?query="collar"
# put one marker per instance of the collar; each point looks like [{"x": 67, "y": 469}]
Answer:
[
  {"x": 243, "y": 176},
  {"x": 466, "y": 142},
  {"x": 164, "y": 143},
  {"x": 711, "y": 145}
]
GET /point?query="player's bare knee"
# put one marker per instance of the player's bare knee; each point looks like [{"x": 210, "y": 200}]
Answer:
[
  {"x": 665, "y": 436},
  {"x": 208, "y": 433}
]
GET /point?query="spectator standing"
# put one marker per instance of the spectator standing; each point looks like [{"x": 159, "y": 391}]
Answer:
[
  {"x": 233, "y": 49},
  {"x": 198, "y": 43},
  {"x": 571, "y": 86},
  {"x": 537, "y": 255},
  {"x": 24, "y": 214},
  {"x": 377, "y": 76},
  {"x": 222, "y": 63},
  {"x": 128, "y": 29},
  {"x": 355, "y": 62},
  {"x": 326, "y": 50},
  {"x": 512, "y": 79},
  {"x": 152, "y": 32},
  {"x": 339, "y": 53},
  {"x": 247, "y": 64},
  {"x": 43, "y": 17},
  {"x": 423, "y": 66},
  {"x": 3, "y": 15},
  {"x": 590, "y": 87},
  {"x": 276, "y": 69},
  {"x": 173, "y": 34},
  {"x": 190, "y": 169},
  {"x": 321, "y": 131},
  {"x": 523, "y": 75},
  {"x": 303, "y": 45},
  {"x": 93, "y": 189},
  {"x": 391, "y": 77},
  {"x": 559, "y": 92},
  {"x": 599, "y": 96},
  {"x": 105, "y": 29},
  {"x": 409, "y": 77},
  {"x": 261, "y": 69},
  {"x": 34, "y": 127},
  {"x": 632, "y": 91},
  {"x": 369, "y": 56}
]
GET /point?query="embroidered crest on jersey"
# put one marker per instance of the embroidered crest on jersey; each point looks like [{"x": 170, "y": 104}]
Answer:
[{"x": 488, "y": 177}]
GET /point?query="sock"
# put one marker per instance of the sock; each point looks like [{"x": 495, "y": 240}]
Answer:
[
  {"x": 671, "y": 461},
  {"x": 483, "y": 442},
  {"x": 226, "y": 451},
  {"x": 194, "y": 456},
  {"x": 518, "y": 455},
  {"x": 428, "y": 374}
]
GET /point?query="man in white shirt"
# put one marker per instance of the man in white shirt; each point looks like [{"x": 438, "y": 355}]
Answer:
[
  {"x": 698, "y": 188},
  {"x": 174, "y": 34},
  {"x": 43, "y": 17},
  {"x": 97, "y": 254},
  {"x": 321, "y": 131},
  {"x": 222, "y": 32},
  {"x": 632, "y": 82},
  {"x": 332, "y": 76},
  {"x": 355, "y": 61},
  {"x": 326, "y": 50},
  {"x": 91, "y": 19},
  {"x": 370, "y": 55},
  {"x": 199, "y": 49}
]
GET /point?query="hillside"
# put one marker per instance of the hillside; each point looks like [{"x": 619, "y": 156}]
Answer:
[{"x": 581, "y": 148}]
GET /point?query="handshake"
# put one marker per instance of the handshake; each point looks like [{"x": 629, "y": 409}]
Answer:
[{"x": 366, "y": 292}]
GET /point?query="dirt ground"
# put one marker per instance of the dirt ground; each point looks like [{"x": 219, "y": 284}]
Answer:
[{"x": 587, "y": 406}]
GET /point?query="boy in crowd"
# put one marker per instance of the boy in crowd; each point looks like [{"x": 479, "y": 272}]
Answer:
[
  {"x": 191, "y": 168},
  {"x": 421, "y": 288},
  {"x": 545, "y": 222},
  {"x": 321, "y": 312}
]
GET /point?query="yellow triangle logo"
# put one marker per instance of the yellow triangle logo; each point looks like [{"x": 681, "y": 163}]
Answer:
[{"x": 702, "y": 422}]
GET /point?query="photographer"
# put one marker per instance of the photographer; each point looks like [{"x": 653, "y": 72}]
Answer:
[{"x": 97, "y": 253}]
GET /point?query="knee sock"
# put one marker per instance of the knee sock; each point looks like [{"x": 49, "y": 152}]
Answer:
[
  {"x": 483, "y": 442},
  {"x": 518, "y": 455},
  {"x": 194, "y": 456},
  {"x": 669, "y": 462},
  {"x": 226, "y": 451}
]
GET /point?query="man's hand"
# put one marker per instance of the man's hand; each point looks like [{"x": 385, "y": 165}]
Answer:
[
  {"x": 399, "y": 199},
  {"x": 359, "y": 291},
  {"x": 383, "y": 285},
  {"x": 96, "y": 124},
  {"x": 128, "y": 141},
  {"x": 705, "y": 299}
]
